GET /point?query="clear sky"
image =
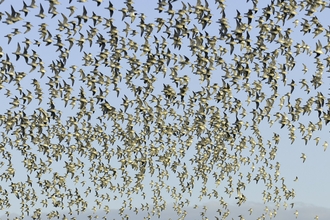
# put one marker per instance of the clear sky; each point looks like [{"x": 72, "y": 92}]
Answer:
[{"x": 311, "y": 177}]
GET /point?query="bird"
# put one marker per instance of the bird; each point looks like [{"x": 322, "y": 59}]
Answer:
[
  {"x": 296, "y": 213},
  {"x": 325, "y": 145},
  {"x": 72, "y": 9},
  {"x": 41, "y": 12},
  {"x": 318, "y": 49},
  {"x": 303, "y": 156},
  {"x": 25, "y": 9},
  {"x": 17, "y": 52},
  {"x": 110, "y": 8}
]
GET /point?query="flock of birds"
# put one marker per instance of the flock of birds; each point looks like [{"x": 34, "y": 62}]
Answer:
[{"x": 112, "y": 107}]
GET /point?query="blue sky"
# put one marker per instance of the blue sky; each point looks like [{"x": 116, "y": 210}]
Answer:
[{"x": 311, "y": 194}]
